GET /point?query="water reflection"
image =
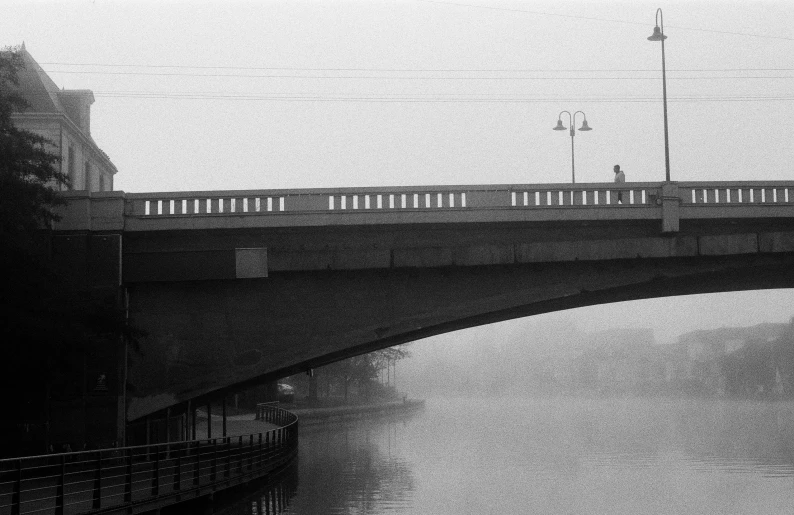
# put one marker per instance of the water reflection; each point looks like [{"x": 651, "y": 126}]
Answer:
[
  {"x": 269, "y": 496},
  {"x": 355, "y": 468},
  {"x": 551, "y": 456}
]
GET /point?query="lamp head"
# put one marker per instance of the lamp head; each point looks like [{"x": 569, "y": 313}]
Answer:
[
  {"x": 560, "y": 126},
  {"x": 657, "y": 35},
  {"x": 585, "y": 127}
]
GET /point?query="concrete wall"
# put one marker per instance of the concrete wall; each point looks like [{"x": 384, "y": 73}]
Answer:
[{"x": 332, "y": 293}]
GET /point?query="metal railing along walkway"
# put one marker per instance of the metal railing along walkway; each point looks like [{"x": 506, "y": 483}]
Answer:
[{"x": 145, "y": 477}]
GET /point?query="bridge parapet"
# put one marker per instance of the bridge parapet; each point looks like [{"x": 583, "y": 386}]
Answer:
[
  {"x": 736, "y": 192},
  {"x": 666, "y": 202},
  {"x": 451, "y": 197},
  {"x": 384, "y": 199}
]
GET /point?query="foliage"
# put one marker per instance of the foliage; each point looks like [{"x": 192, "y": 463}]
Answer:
[
  {"x": 761, "y": 368},
  {"x": 360, "y": 371},
  {"x": 48, "y": 326},
  {"x": 29, "y": 177},
  {"x": 364, "y": 369}
]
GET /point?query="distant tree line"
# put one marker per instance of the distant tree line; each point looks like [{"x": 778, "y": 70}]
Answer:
[
  {"x": 762, "y": 368},
  {"x": 336, "y": 382}
]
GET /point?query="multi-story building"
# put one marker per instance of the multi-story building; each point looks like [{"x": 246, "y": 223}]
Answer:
[{"x": 63, "y": 116}]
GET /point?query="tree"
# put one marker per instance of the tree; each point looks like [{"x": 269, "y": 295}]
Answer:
[
  {"x": 29, "y": 178},
  {"x": 48, "y": 327},
  {"x": 363, "y": 370}
]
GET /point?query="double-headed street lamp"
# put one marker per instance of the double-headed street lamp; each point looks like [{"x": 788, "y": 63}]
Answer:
[
  {"x": 658, "y": 35},
  {"x": 572, "y": 122}
]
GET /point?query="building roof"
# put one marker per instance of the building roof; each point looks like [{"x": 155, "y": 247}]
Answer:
[
  {"x": 45, "y": 98},
  {"x": 37, "y": 87}
]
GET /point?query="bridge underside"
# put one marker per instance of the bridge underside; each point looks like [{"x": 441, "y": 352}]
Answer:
[{"x": 210, "y": 336}]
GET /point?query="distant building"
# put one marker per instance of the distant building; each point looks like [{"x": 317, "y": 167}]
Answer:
[
  {"x": 63, "y": 116},
  {"x": 707, "y": 350}
]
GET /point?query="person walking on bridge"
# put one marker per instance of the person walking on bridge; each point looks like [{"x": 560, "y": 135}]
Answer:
[{"x": 620, "y": 178}]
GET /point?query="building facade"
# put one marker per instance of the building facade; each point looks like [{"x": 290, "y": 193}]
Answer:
[{"x": 63, "y": 116}]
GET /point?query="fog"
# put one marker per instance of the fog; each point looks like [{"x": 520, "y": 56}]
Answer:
[{"x": 494, "y": 359}]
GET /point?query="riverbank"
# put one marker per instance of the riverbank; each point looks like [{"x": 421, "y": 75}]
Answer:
[
  {"x": 236, "y": 425},
  {"x": 318, "y": 415},
  {"x": 246, "y": 423}
]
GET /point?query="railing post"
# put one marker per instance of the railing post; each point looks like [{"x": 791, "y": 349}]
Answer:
[
  {"x": 227, "y": 444},
  {"x": 156, "y": 473},
  {"x": 16, "y": 496},
  {"x": 240, "y": 455},
  {"x": 59, "y": 493},
  {"x": 97, "y": 504},
  {"x": 214, "y": 463},
  {"x": 260, "y": 453},
  {"x": 178, "y": 469},
  {"x": 197, "y": 464},
  {"x": 128, "y": 478},
  {"x": 167, "y": 432},
  {"x": 251, "y": 451}
]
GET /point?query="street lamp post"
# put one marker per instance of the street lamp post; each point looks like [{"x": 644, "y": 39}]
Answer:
[
  {"x": 658, "y": 35},
  {"x": 572, "y": 122}
]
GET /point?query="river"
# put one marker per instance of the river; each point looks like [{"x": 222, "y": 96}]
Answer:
[{"x": 545, "y": 456}]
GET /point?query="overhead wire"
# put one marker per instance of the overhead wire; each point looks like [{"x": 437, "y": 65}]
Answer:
[
  {"x": 415, "y": 70},
  {"x": 606, "y": 20},
  {"x": 378, "y": 77},
  {"x": 428, "y": 98},
  {"x": 354, "y": 74}
]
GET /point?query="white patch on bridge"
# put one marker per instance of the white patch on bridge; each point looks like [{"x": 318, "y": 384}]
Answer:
[{"x": 251, "y": 263}]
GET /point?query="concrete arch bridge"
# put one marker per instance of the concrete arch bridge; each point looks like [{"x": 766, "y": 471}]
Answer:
[{"x": 236, "y": 288}]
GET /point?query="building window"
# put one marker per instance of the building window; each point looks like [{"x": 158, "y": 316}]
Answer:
[
  {"x": 87, "y": 176},
  {"x": 70, "y": 167},
  {"x": 101, "y": 182}
]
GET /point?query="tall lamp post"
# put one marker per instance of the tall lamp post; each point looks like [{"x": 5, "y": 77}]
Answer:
[
  {"x": 658, "y": 35},
  {"x": 572, "y": 122}
]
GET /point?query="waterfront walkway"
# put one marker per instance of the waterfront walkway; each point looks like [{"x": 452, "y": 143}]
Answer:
[{"x": 142, "y": 478}]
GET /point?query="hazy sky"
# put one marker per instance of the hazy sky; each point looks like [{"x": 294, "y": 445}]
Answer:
[{"x": 223, "y": 95}]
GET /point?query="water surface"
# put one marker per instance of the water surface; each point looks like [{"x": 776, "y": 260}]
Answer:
[{"x": 549, "y": 456}]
